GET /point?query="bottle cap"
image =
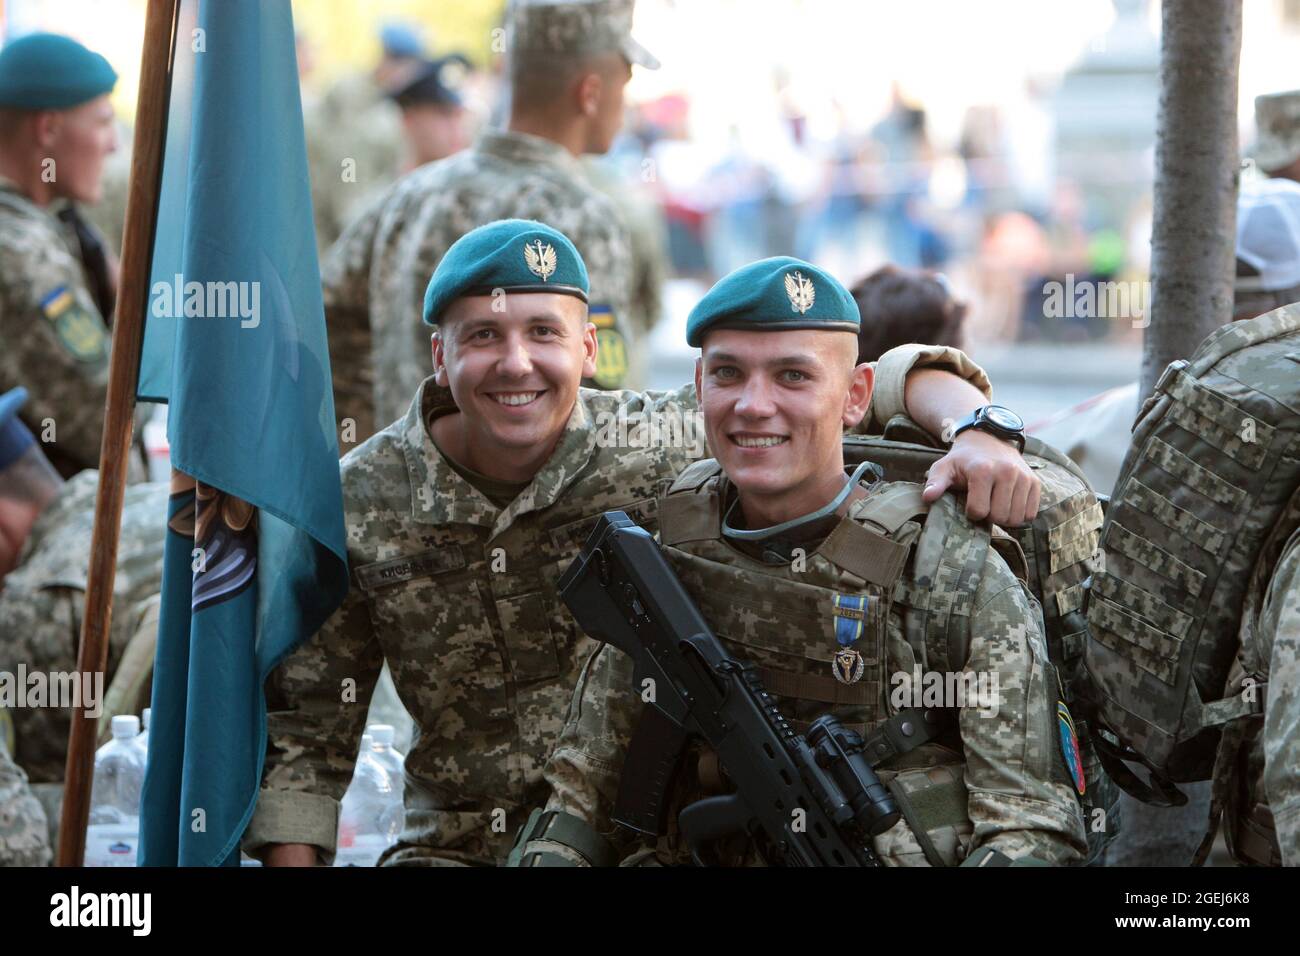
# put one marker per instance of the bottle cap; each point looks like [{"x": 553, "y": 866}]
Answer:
[{"x": 125, "y": 725}]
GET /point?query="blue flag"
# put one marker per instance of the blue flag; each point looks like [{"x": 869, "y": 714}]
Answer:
[{"x": 255, "y": 558}]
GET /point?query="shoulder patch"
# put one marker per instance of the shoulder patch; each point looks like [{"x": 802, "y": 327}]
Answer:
[
  {"x": 81, "y": 333},
  {"x": 611, "y": 348},
  {"x": 1070, "y": 746}
]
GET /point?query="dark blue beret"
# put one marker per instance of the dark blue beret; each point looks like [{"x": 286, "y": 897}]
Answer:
[
  {"x": 435, "y": 81},
  {"x": 515, "y": 255},
  {"x": 772, "y": 295},
  {"x": 46, "y": 71}
]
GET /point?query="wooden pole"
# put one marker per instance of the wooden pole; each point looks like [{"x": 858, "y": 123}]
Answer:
[{"x": 114, "y": 452}]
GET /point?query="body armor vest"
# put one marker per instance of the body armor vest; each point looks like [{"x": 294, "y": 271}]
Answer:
[{"x": 919, "y": 562}]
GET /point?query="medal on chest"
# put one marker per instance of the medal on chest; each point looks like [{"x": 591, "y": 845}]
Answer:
[{"x": 850, "y": 622}]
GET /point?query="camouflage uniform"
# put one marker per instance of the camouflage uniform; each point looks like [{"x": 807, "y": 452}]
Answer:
[
  {"x": 43, "y": 602},
  {"x": 374, "y": 277},
  {"x": 354, "y": 121},
  {"x": 459, "y": 597},
  {"x": 991, "y": 780},
  {"x": 648, "y": 241},
  {"x": 1268, "y": 784},
  {"x": 23, "y": 836},
  {"x": 55, "y": 341}
]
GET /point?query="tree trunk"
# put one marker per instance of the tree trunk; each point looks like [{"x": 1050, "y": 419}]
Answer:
[
  {"x": 1192, "y": 266},
  {"x": 1192, "y": 236}
]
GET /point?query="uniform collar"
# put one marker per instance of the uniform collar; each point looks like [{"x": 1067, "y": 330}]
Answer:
[
  {"x": 440, "y": 496},
  {"x": 10, "y": 188},
  {"x": 524, "y": 148}
]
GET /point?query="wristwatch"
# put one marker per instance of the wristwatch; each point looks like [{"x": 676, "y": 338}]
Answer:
[{"x": 997, "y": 421}]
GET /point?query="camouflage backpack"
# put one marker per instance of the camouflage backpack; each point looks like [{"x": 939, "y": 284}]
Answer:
[
  {"x": 1056, "y": 546},
  {"x": 1196, "y": 516}
]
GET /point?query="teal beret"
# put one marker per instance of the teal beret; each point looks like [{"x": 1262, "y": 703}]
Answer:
[
  {"x": 773, "y": 295},
  {"x": 516, "y": 255},
  {"x": 46, "y": 71}
]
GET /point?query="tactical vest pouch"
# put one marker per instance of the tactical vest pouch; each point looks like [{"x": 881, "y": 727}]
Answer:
[
  {"x": 1192, "y": 528},
  {"x": 934, "y": 803}
]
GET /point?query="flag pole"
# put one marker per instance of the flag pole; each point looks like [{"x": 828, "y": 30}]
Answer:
[{"x": 124, "y": 369}]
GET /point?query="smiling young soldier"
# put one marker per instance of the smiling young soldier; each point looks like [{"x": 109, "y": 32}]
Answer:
[
  {"x": 782, "y": 551},
  {"x": 461, "y": 517}
]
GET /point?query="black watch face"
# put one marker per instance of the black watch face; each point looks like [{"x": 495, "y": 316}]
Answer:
[{"x": 1003, "y": 418}]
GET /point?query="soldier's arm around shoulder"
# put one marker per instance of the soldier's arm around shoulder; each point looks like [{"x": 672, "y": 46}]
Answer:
[
  {"x": 576, "y": 827},
  {"x": 317, "y": 699},
  {"x": 1021, "y": 799}
]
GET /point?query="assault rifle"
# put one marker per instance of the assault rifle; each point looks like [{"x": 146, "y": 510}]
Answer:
[{"x": 815, "y": 801}]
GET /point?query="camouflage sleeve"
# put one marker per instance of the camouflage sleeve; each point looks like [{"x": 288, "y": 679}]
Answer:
[
  {"x": 583, "y": 771},
  {"x": 24, "y": 836},
  {"x": 345, "y": 289},
  {"x": 1020, "y": 801},
  {"x": 1281, "y": 618},
  {"x": 56, "y": 344},
  {"x": 891, "y": 378},
  {"x": 316, "y": 710}
]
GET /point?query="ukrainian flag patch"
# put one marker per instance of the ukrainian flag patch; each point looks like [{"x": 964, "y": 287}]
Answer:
[
  {"x": 611, "y": 348},
  {"x": 81, "y": 333}
]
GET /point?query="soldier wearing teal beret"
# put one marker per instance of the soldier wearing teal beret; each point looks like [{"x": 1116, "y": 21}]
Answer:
[
  {"x": 773, "y": 295},
  {"x": 45, "y": 71},
  {"x": 513, "y": 255},
  {"x": 57, "y": 278}
]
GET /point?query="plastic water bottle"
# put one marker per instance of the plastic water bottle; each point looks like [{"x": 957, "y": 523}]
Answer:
[
  {"x": 381, "y": 736},
  {"x": 142, "y": 739},
  {"x": 370, "y": 816},
  {"x": 112, "y": 836}
]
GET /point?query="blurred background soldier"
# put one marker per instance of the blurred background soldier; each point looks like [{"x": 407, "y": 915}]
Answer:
[
  {"x": 433, "y": 112},
  {"x": 1277, "y": 127},
  {"x": 56, "y": 278},
  {"x": 45, "y": 530},
  {"x": 569, "y": 63},
  {"x": 354, "y": 134}
]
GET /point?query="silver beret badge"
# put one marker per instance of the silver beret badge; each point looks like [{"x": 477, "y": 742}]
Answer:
[
  {"x": 801, "y": 292},
  {"x": 541, "y": 260}
]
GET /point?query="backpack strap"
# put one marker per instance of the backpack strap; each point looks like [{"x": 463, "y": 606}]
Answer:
[{"x": 947, "y": 563}]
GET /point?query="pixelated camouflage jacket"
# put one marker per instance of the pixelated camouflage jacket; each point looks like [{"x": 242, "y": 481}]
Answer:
[
  {"x": 55, "y": 341},
  {"x": 43, "y": 601},
  {"x": 24, "y": 836},
  {"x": 1269, "y": 765},
  {"x": 995, "y": 778},
  {"x": 459, "y": 596},
  {"x": 353, "y": 135},
  {"x": 374, "y": 277}
]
